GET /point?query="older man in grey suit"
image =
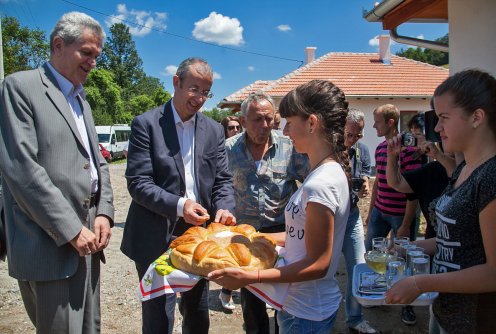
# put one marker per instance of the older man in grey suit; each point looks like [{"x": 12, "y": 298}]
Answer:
[{"x": 57, "y": 193}]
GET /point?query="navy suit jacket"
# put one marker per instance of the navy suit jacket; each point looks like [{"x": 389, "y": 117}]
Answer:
[{"x": 155, "y": 180}]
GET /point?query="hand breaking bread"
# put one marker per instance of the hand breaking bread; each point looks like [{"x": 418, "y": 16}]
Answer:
[{"x": 201, "y": 250}]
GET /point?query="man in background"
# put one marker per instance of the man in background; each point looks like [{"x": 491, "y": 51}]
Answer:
[
  {"x": 58, "y": 211},
  {"x": 353, "y": 243},
  {"x": 389, "y": 209},
  {"x": 178, "y": 177},
  {"x": 265, "y": 170}
]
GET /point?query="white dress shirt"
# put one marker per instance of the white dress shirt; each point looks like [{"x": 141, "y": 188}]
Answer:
[
  {"x": 71, "y": 94},
  {"x": 186, "y": 138}
]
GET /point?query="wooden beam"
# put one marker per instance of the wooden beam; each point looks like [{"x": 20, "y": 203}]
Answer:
[{"x": 412, "y": 9}]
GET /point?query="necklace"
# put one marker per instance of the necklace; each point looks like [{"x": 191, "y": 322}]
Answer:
[{"x": 321, "y": 161}]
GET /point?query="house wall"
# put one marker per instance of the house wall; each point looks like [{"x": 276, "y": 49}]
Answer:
[
  {"x": 471, "y": 33},
  {"x": 369, "y": 105}
]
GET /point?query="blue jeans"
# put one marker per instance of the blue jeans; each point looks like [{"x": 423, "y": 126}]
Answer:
[
  {"x": 379, "y": 226},
  {"x": 353, "y": 250},
  {"x": 289, "y": 324}
]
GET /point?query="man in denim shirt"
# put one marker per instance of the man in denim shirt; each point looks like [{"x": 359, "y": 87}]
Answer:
[
  {"x": 353, "y": 243},
  {"x": 265, "y": 170}
]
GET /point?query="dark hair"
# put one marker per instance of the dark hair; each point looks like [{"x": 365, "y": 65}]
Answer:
[
  {"x": 326, "y": 101},
  {"x": 471, "y": 90},
  {"x": 226, "y": 121},
  {"x": 417, "y": 121}
]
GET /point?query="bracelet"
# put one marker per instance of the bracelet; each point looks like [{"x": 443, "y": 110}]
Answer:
[
  {"x": 258, "y": 274},
  {"x": 416, "y": 286}
]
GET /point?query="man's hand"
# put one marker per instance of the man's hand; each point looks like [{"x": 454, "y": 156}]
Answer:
[
  {"x": 365, "y": 190},
  {"x": 394, "y": 145},
  {"x": 403, "y": 231},
  {"x": 194, "y": 213},
  {"x": 102, "y": 231},
  {"x": 225, "y": 217},
  {"x": 85, "y": 242}
]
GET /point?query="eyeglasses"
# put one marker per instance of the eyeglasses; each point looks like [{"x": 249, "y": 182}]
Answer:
[
  {"x": 351, "y": 135},
  {"x": 195, "y": 91},
  {"x": 232, "y": 127}
]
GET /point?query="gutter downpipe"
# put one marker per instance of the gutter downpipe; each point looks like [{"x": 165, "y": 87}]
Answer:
[
  {"x": 418, "y": 42},
  {"x": 378, "y": 12}
]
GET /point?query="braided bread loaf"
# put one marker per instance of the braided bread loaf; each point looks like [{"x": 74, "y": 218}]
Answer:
[{"x": 200, "y": 251}]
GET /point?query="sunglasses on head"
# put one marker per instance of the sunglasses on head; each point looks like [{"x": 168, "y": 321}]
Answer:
[{"x": 232, "y": 127}]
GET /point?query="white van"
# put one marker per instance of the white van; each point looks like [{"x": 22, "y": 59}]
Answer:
[{"x": 113, "y": 138}]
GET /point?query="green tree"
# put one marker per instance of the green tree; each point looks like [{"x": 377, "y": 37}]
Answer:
[
  {"x": 152, "y": 87},
  {"x": 23, "y": 48},
  {"x": 429, "y": 56},
  {"x": 119, "y": 55},
  {"x": 104, "y": 96},
  {"x": 139, "y": 104},
  {"x": 161, "y": 96},
  {"x": 217, "y": 114}
]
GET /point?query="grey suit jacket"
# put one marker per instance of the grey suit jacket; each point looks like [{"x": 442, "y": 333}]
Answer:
[
  {"x": 46, "y": 176},
  {"x": 155, "y": 179}
]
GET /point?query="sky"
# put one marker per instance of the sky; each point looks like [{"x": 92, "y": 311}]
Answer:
[{"x": 243, "y": 41}]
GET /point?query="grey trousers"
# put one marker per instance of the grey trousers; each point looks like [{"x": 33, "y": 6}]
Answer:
[{"x": 66, "y": 306}]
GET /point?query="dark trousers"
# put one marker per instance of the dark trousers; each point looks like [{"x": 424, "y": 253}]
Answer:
[
  {"x": 254, "y": 313},
  {"x": 158, "y": 313},
  {"x": 254, "y": 310},
  {"x": 194, "y": 309}
]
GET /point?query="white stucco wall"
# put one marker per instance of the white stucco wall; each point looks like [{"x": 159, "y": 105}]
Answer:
[
  {"x": 369, "y": 105},
  {"x": 472, "y": 26}
]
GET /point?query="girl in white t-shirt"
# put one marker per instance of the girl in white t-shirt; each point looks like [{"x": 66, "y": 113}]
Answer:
[{"x": 316, "y": 214}]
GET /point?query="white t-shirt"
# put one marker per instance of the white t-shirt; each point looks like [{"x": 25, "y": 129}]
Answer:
[{"x": 327, "y": 185}]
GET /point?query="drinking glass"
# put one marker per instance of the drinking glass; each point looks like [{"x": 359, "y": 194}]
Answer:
[
  {"x": 376, "y": 260},
  {"x": 421, "y": 266},
  {"x": 410, "y": 255},
  {"x": 395, "y": 270},
  {"x": 379, "y": 244}
]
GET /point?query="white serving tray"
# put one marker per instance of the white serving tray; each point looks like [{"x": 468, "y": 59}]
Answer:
[{"x": 378, "y": 298}]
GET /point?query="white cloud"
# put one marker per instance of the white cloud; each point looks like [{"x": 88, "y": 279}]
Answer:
[
  {"x": 421, "y": 36},
  {"x": 145, "y": 21},
  {"x": 170, "y": 70},
  {"x": 217, "y": 76},
  {"x": 283, "y": 27},
  {"x": 251, "y": 68},
  {"x": 374, "y": 42},
  {"x": 219, "y": 29}
]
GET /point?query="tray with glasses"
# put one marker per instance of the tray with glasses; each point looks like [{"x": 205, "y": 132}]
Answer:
[{"x": 369, "y": 288}]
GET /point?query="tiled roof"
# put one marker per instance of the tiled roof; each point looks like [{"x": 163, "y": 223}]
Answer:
[{"x": 358, "y": 75}]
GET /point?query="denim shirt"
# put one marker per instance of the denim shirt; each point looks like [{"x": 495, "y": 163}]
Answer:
[
  {"x": 360, "y": 167},
  {"x": 262, "y": 193}
]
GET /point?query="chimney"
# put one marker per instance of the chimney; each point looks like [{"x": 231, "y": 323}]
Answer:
[
  {"x": 385, "y": 49},
  {"x": 310, "y": 54}
]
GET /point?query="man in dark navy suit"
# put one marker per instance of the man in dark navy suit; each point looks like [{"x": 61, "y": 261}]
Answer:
[{"x": 178, "y": 177}]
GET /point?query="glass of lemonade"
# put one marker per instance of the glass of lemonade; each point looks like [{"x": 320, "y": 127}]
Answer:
[{"x": 376, "y": 260}]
